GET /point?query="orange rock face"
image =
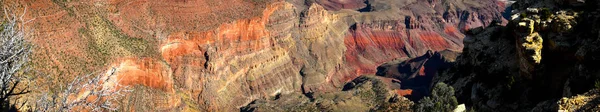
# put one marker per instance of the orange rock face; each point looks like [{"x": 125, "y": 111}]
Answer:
[
  {"x": 369, "y": 48},
  {"x": 147, "y": 72},
  {"x": 368, "y": 44},
  {"x": 238, "y": 57},
  {"x": 372, "y": 43},
  {"x": 218, "y": 55},
  {"x": 404, "y": 92}
]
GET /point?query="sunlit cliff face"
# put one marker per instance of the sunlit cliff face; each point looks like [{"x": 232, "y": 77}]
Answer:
[{"x": 222, "y": 54}]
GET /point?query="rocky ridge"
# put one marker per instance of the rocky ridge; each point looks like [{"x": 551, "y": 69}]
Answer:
[{"x": 552, "y": 46}]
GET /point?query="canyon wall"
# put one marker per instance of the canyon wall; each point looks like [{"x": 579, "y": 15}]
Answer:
[{"x": 220, "y": 55}]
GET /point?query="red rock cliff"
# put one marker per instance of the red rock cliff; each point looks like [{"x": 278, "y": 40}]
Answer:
[{"x": 218, "y": 55}]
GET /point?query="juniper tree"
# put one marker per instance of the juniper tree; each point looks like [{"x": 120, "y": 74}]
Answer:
[{"x": 442, "y": 99}]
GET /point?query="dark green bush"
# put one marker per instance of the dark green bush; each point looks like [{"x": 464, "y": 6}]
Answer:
[{"x": 442, "y": 99}]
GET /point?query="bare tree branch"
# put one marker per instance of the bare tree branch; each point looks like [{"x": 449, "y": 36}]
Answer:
[
  {"x": 14, "y": 55},
  {"x": 87, "y": 93}
]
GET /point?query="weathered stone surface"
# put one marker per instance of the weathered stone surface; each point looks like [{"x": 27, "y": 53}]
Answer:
[
  {"x": 321, "y": 46},
  {"x": 147, "y": 72},
  {"x": 530, "y": 42}
]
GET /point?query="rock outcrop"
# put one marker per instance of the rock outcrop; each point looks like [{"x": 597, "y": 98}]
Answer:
[
  {"x": 588, "y": 101},
  {"x": 532, "y": 62},
  {"x": 530, "y": 42}
]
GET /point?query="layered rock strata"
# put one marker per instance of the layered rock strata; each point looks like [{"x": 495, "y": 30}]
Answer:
[
  {"x": 208, "y": 55},
  {"x": 412, "y": 33}
]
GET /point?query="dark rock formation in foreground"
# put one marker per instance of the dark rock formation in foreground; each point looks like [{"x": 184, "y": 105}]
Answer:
[{"x": 547, "y": 51}]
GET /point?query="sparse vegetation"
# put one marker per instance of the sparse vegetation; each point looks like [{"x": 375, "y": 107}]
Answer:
[
  {"x": 62, "y": 4},
  {"x": 546, "y": 13},
  {"x": 523, "y": 15},
  {"x": 85, "y": 93},
  {"x": 510, "y": 82},
  {"x": 442, "y": 99},
  {"x": 395, "y": 104}
]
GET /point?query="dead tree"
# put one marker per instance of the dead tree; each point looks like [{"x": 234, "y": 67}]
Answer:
[
  {"x": 14, "y": 54},
  {"x": 86, "y": 92}
]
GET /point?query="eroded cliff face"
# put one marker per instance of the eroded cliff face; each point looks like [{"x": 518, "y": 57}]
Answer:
[
  {"x": 220, "y": 55},
  {"x": 380, "y": 36}
]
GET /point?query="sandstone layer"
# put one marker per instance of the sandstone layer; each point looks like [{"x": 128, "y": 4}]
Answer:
[{"x": 220, "y": 55}]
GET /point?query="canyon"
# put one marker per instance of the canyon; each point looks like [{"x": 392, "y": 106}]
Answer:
[{"x": 223, "y": 55}]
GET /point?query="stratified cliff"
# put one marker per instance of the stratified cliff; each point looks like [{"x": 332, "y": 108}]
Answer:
[{"x": 220, "y": 55}]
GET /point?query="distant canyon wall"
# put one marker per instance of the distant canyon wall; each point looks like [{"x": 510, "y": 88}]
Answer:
[{"x": 223, "y": 54}]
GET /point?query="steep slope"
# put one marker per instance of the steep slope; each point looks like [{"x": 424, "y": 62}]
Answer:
[
  {"x": 544, "y": 53},
  {"x": 219, "y": 55},
  {"x": 416, "y": 74},
  {"x": 410, "y": 28}
]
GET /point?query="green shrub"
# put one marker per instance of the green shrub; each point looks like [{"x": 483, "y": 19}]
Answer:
[
  {"x": 441, "y": 100},
  {"x": 546, "y": 13},
  {"x": 523, "y": 15}
]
